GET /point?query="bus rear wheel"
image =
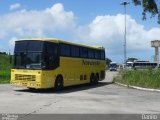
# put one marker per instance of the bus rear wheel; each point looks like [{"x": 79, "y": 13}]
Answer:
[
  {"x": 96, "y": 78},
  {"x": 93, "y": 79},
  {"x": 58, "y": 83}
]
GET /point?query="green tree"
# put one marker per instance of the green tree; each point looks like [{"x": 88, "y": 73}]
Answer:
[
  {"x": 149, "y": 6},
  {"x": 3, "y": 53},
  {"x": 108, "y": 61}
]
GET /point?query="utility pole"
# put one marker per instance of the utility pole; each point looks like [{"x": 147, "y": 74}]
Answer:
[
  {"x": 10, "y": 57},
  {"x": 125, "y": 31}
]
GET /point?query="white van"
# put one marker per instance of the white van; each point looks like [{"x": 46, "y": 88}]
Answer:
[{"x": 113, "y": 66}]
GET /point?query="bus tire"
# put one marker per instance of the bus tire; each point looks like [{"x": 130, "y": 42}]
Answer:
[
  {"x": 58, "y": 83},
  {"x": 96, "y": 78},
  {"x": 92, "y": 79}
]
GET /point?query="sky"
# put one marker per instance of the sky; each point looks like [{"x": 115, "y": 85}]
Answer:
[{"x": 90, "y": 22}]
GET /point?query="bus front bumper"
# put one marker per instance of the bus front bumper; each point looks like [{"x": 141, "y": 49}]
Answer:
[
  {"x": 29, "y": 84},
  {"x": 19, "y": 84},
  {"x": 33, "y": 84}
]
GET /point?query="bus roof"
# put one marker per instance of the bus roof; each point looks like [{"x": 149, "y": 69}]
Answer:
[
  {"x": 55, "y": 40},
  {"x": 144, "y": 62},
  {"x": 129, "y": 62},
  {"x": 113, "y": 63}
]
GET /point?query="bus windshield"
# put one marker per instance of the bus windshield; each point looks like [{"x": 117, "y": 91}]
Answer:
[
  {"x": 114, "y": 65},
  {"x": 28, "y": 60},
  {"x": 35, "y": 55}
]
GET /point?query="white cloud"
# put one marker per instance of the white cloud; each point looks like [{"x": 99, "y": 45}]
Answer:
[
  {"x": 109, "y": 31},
  {"x": 35, "y": 23},
  {"x": 60, "y": 18},
  {"x": 15, "y": 6},
  {"x": 12, "y": 41}
]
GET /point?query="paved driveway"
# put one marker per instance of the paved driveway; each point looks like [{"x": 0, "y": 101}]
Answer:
[{"x": 103, "y": 98}]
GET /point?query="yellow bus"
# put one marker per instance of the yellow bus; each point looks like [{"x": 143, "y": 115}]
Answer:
[{"x": 43, "y": 63}]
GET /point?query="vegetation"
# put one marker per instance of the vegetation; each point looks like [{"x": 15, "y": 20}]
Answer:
[
  {"x": 108, "y": 61},
  {"x": 142, "y": 78},
  {"x": 4, "y": 53},
  {"x": 5, "y": 67},
  {"x": 149, "y": 6}
]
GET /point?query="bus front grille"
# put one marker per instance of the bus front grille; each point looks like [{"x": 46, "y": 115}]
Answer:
[{"x": 25, "y": 77}]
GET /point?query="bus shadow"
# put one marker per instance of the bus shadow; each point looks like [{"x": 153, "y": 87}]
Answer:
[{"x": 66, "y": 89}]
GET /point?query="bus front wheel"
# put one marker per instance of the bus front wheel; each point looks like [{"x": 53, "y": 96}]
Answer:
[{"x": 58, "y": 83}]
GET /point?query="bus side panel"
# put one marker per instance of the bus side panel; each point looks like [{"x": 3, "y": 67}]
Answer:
[
  {"x": 71, "y": 70},
  {"x": 75, "y": 71}
]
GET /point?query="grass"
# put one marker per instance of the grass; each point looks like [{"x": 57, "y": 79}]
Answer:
[
  {"x": 5, "y": 67},
  {"x": 142, "y": 78},
  {"x": 4, "y": 76}
]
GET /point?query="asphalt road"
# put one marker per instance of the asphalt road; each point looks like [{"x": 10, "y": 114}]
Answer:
[{"x": 85, "y": 99}]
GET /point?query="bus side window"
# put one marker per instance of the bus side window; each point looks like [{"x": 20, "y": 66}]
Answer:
[
  {"x": 102, "y": 55},
  {"x": 74, "y": 51},
  {"x": 52, "y": 56},
  {"x": 90, "y": 53},
  {"x": 83, "y": 52},
  {"x": 97, "y": 54},
  {"x": 65, "y": 49}
]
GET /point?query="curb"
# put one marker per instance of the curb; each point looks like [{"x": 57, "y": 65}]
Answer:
[{"x": 139, "y": 88}]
